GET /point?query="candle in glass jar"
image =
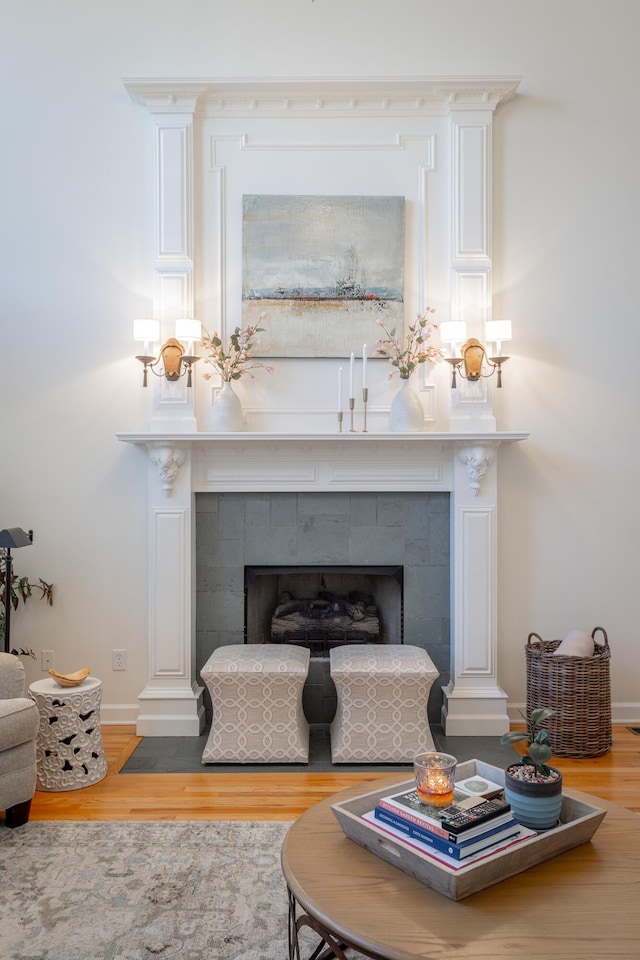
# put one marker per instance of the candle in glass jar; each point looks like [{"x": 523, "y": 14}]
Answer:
[
  {"x": 435, "y": 778},
  {"x": 436, "y": 788}
]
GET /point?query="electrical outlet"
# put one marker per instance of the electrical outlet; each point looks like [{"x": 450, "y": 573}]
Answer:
[
  {"x": 118, "y": 659},
  {"x": 46, "y": 659}
]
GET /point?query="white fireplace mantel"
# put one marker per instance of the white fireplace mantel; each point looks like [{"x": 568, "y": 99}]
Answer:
[
  {"x": 168, "y": 451},
  {"x": 215, "y": 140},
  {"x": 181, "y": 465}
]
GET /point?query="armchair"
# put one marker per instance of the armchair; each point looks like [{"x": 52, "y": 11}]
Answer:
[{"x": 19, "y": 721}]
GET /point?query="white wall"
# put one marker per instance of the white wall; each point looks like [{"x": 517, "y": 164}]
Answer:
[{"x": 76, "y": 268}]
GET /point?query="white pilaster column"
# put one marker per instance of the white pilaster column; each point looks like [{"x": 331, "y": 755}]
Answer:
[
  {"x": 171, "y": 702},
  {"x": 471, "y": 133},
  {"x": 173, "y": 253},
  {"x": 474, "y": 703}
]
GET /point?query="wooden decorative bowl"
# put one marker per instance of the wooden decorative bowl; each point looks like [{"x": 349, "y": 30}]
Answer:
[{"x": 70, "y": 679}]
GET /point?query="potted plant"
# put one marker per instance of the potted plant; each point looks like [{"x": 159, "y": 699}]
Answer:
[
  {"x": 532, "y": 787},
  {"x": 19, "y": 588}
]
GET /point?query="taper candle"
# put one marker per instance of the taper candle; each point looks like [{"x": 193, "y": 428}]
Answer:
[
  {"x": 351, "y": 393},
  {"x": 340, "y": 390},
  {"x": 364, "y": 365}
]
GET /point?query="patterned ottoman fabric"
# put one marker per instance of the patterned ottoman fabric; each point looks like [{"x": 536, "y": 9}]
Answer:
[
  {"x": 382, "y": 703},
  {"x": 256, "y": 694}
]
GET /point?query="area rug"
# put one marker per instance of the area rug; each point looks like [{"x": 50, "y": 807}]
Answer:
[{"x": 134, "y": 891}]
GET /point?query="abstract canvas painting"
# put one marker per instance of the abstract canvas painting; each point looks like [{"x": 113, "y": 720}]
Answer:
[{"x": 323, "y": 270}]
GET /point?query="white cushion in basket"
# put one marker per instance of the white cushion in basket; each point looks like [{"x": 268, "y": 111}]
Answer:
[{"x": 575, "y": 644}]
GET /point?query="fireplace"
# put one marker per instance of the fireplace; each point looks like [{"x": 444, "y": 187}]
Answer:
[
  {"x": 253, "y": 548},
  {"x": 323, "y": 607},
  {"x": 200, "y": 487},
  {"x": 213, "y": 142}
]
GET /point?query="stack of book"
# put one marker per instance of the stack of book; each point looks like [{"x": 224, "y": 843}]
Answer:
[{"x": 475, "y": 825}]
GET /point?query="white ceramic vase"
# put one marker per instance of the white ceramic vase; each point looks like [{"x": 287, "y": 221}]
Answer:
[
  {"x": 406, "y": 414},
  {"x": 226, "y": 414}
]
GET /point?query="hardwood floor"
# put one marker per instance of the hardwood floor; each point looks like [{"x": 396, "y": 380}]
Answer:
[{"x": 281, "y": 796}]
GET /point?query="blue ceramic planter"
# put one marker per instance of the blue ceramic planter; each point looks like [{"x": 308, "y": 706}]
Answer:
[{"x": 534, "y": 805}]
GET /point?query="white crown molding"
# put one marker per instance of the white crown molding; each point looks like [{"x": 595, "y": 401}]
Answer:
[{"x": 246, "y": 97}]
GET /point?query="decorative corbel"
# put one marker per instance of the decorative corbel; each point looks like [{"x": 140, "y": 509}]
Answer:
[
  {"x": 476, "y": 458},
  {"x": 168, "y": 461}
]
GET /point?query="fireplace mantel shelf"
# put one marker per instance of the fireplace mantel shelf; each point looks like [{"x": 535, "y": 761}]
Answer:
[
  {"x": 414, "y": 438},
  {"x": 168, "y": 451}
]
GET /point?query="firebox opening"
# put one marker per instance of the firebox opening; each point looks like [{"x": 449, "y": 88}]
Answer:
[{"x": 323, "y": 606}]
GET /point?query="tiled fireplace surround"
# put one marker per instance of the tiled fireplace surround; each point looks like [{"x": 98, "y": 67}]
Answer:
[
  {"x": 391, "y": 475},
  {"x": 331, "y": 530}
]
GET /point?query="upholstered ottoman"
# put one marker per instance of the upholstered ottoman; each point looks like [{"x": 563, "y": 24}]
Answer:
[
  {"x": 382, "y": 703},
  {"x": 256, "y": 694}
]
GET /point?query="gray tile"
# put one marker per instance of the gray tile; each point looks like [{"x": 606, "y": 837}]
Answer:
[
  {"x": 258, "y": 512},
  {"x": 390, "y": 511},
  {"x": 416, "y": 552},
  {"x": 374, "y": 545},
  {"x": 275, "y": 546},
  {"x": 207, "y": 503},
  {"x": 323, "y": 504},
  {"x": 323, "y": 540},
  {"x": 417, "y": 525},
  {"x": 187, "y": 757},
  {"x": 439, "y": 539},
  {"x": 284, "y": 509},
  {"x": 364, "y": 509},
  {"x": 231, "y": 519}
]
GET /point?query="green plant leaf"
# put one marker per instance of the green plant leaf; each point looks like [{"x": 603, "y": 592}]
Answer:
[
  {"x": 539, "y": 753},
  {"x": 540, "y": 715},
  {"x": 513, "y": 737}
]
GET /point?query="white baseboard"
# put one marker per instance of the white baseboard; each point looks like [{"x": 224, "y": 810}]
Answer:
[{"x": 623, "y": 713}]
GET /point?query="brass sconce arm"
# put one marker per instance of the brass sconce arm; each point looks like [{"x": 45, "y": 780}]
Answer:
[
  {"x": 469, "y": 365},
  {"x": 175, "y": 362}
]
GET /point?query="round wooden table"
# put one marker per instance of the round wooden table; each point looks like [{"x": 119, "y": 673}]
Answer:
[{"x": 580, "y": 905}]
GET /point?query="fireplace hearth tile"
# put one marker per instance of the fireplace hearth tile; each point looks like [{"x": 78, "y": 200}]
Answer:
[{"x": 184, "y": 755}]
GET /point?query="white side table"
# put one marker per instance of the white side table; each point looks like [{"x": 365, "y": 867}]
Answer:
[{"x": 69, "y": 743}]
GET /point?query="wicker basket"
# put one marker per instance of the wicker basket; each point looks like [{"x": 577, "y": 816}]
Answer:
[{"x": 578, "y": 689}]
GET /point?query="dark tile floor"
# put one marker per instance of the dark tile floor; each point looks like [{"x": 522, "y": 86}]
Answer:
[{"x": 184, "y": 755}]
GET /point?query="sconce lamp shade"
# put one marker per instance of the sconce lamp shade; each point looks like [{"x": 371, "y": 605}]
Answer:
[
  {"x": 146, "y": 330},
  {"x": 497, "y": 331},
  {"x": 453, "y": 331},
  {"x": 188, "y": 330},
  {"x": 14, "y": 537}
]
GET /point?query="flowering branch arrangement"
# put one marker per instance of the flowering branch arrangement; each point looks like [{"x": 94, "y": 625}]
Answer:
[
  {"x": 234, "y": 359},
  {"x": 406, "y": 357}
]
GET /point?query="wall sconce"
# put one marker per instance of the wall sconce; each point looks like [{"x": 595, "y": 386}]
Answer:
[
  {"x": 472, "y": 362},
  {"x": 175, "y": 360}
]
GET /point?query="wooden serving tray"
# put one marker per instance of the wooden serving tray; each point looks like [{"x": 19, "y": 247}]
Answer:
[{"x": 578, "y": 823}]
